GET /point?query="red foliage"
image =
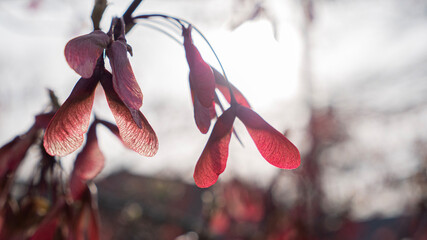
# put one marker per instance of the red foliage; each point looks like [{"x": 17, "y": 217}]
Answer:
[
  {"x": 213, "y": 160},
  {"x": 272, "y": 145},
  {"x": 202, "y": 78},
  {"x": 14, "y": 152},
  {"x": 124, "y": 81},
  {"x": 90, "y": 160},
  {"x": 134, "y": 129},
  {"x": 69, "y": 207},
  {"x": 65, "y": 131},
  {"x": 83, "y": 52}
]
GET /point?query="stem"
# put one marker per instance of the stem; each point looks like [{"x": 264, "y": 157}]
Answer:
[
  {"x": 127, "y": 16},
  {"x": 54, "y": 100},
  {"x": 233, "y": 100},
  {"x": 153, "y": 26},
  {"x": 145, "y": 16},
  {"x": 97, "y": 12},
  {"x": 223, "y": 110}
]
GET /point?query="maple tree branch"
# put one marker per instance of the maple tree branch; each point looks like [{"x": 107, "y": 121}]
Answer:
[
  {"x": 127, "y": 16},
  {"x": 97, "y": 12}
]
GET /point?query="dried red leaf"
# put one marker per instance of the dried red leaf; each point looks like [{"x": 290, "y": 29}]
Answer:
[
  {"x": 142, "y": 140},
  {"x": 272, "y": 145},
  {"x": 90, "y": 160},
  {"x": 14, "y": 152},
  {"x": 42, "y": 120},
  {"x": 201, "y": 75},
  {"x": 202, "y": 114},
  {"x": 46, "y": 231},
  {"x": 65, "y": 131},
  {"x": 124, "y": 81},
  {"x": 77, "y": 186},
  {"x": 83, "y": 52},
  {"x": 222, "y": 86},
  {"x": 89, "y": 163},
  {"x": 84, "y": 222},
  {"x": 77, "y": 223},
  {"x": 93, "y": 227},
  {"x": 213, "y": 160}
]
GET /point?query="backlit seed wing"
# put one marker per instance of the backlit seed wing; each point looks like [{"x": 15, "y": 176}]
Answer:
[
  {"x": 213, "y": 160},
  {"x": 90, "y": 161},
  {"x": 124, "y": 82},
  {"x": 65, "y": 131},
  {"x": 272, "y": 145},
  {"x": 83, "y": 52},
  {"x": 201, "y": 74},
  {"x": 202, "y": 114},
  {"x": 142, "y": 140}
]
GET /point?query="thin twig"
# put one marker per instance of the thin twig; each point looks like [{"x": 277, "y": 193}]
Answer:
[
  {"x": 127, "y": 16},
  {"x": 233, "y": 100},
  {"x": 97, "y": 12},
  {"x": 155, "y": 27}
]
